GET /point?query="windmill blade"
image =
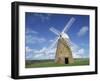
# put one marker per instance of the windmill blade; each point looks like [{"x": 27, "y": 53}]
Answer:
[
  {"x": 72, "y": 44},
  {"x": 68, "y": 25},
  {"x": 55, "y": 31},
  {"x": 55, "y": 41},
  {"x": 68, "y": 42},
  {"x": 52, "y": 45}
]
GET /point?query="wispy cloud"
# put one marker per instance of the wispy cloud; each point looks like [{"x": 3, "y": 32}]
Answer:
[
  {"x": 81, "y": 51},
  {"x": 42, "y": 50},
  {"x": 43, "y": 17},
  {"x": 51, "y": 40},
  {"x": 83, "y": 31},
  {"x": 34, "y": 39},
  {"x": 28, "y": 49},
  {"x": 77, "y": 51},
  {"x": 29, "y": 31},
  {"x": 39, "y": 54},
  {"x": 28, "y": 53},
  {"x": 44, "y": 53}
]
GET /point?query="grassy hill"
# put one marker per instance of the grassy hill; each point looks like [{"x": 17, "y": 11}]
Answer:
[{"x": 51, "y": 63}]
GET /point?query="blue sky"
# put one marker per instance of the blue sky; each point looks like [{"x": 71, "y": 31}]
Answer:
[{"x": 38, "y": 37}]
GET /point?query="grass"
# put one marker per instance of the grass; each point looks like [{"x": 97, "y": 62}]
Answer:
[{"x": 51, "y": 63}]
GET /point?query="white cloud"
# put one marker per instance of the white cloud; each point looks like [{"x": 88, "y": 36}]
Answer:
[
  {"x": 28, "y": 49},
  {"x": 34, "y": 53},
  {"x": 76, "y": 55},
  {"x": 74, "y": 47},
  {"x": 38, "y": 56},
  {"x": 28, "y": 52},
  {"x": 42, "y": 50},
  {"x": 43, "y": 18},
  {"x": 34, "y": 39},
  {"x": 41, "y": 54},
  {"x": 29, "y": 31},
  {"x": 81, "y": 51},
  {"x": 83, "y": 31},
  {"x": 51, "y": 40},
  {"x": 44, "y": 53},
  {"x": 77, "y": 51}
]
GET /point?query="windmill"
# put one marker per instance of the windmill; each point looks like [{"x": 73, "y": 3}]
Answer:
[{"x": 63, "y": 51}]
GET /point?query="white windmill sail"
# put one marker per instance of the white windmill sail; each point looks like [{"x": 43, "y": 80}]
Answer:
[
  {"x": 68, "y": 25},
  {"x": 63, "y": 34},
  {"x": 54, "y": 31},
  {"x": 52, "y": 45}
]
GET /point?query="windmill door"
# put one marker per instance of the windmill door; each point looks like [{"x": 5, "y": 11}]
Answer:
[{"x": 66, "y": 60}]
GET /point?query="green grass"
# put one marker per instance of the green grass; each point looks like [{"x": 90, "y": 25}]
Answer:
[{"x": 51, "y": 63}]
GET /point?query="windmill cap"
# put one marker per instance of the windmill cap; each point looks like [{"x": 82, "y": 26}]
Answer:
[{"x": 65, "y": 35}]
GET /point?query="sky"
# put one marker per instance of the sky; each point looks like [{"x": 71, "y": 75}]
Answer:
[{"x": 39, "y": 38}]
